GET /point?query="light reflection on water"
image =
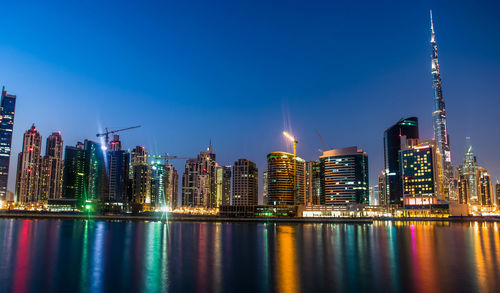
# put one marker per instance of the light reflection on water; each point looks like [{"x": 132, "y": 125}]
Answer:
[{"x": 97, "y": 256}]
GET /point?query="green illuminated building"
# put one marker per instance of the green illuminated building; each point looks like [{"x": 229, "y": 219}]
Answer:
[{"x": 73, "y": 186}]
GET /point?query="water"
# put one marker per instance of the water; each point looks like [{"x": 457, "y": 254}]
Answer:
[{"x": 99, "y": 256}]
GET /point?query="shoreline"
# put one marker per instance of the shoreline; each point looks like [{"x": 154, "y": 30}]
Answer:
[{"x": 195, "y": 218}]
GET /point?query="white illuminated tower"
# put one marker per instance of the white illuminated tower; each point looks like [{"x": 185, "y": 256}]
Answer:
[{"x": 439, "y": 115}]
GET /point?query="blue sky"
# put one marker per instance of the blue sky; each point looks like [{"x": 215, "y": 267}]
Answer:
[{"x": 239, "y": 72}]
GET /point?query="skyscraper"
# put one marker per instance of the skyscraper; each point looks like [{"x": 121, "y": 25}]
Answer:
[
  {"x": 140, "y": 180},
  {"x": 52, "y": 167},
  {"x": 158, "y": 185},
  {"x": 422, "y": 177},
  {"x": 118, "y": 174},
  {"x": 285, "y": 179},
  {"x": 7, "y": 110},
  {"x": 382, "y": 189},
  {"x": 223, "y": 182},
  {"x": 439, "y": 116},
  {"x": 74, "y": 184},
  {"x": 245, "y": 183},
  {"x": 28, "y": 179},
  {"x": 172, "y": 187},
  {"x": 199, "y": 181},
  {"x": 395, "y": 137},
  {"x": 95, "y": 172},
  {"x": 485, "y": 194},
  {"x": 344, "y": 176},
  {"x": 497, "y": 188},
  {"x": 265, "y": 184},
  {"x": 313, "y": 183}
]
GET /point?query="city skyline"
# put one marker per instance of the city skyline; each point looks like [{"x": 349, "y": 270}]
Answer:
[{"x": 303, "y": 124}]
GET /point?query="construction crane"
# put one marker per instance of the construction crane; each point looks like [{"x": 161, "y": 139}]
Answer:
[
  {"x": 107, "y": 132},
  {"x": 321, "y": 139},
  {"x": 293, "y": 140}
]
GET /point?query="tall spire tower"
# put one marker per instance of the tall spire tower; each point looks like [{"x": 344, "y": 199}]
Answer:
[{"x": 439, "y": 115}]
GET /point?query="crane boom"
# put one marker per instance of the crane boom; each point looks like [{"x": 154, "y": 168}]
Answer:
[
  {"x": 107, "y": 132},
  {"x": 321, "y": 139}
]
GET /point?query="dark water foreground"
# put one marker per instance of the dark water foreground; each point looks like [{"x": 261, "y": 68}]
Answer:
[{"x": 100, "y": 256}]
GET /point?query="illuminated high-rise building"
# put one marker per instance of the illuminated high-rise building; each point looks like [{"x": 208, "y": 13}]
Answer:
[
  {"x": 497, "y": 188},
  {"x": 74, "y": 179},
  {"x": 344, "y": 176},
  {"x": 382, "y": 189},
  {"x": 158, "y": 185},
  {"x": 265, "y": 184},
  {"x": 313, "y": 183},
  {"x": 485, "y": 192},
  {"x": 140, "y": 180},
  {"x": 95, "y": 172},
  {"x": 28, "y": 178},
  {"x": 223, "y": 182},
  {"x": 199, "y": 187},
  {"x": 118, "y": 162},
  {"x": 52, "y": 168},
  {"x": 439, "y": 118},
  {"x": 395, "y": 138},
  {"x": 115, "y": 144},
  {"x": 245, "y": 183},
  {"x": 285, "y": 179},
  {"x": 421, "y": 174},
  {"x": 7, "y": 110},
  {"x": 171, "y": 187}
]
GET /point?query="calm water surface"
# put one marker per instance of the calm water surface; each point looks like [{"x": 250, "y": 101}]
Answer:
[{"x": 99, "y": 256}]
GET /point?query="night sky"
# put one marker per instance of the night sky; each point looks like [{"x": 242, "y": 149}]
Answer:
[{"x": 241, "y": 72}]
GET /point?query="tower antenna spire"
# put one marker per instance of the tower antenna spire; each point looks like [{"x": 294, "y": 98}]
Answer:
[{"x": 432, "y": 23}]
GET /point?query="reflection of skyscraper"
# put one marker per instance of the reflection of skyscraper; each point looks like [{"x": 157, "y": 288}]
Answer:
[
  {"x": 73, "y": 186},
  {"x": 29, "y": 167},
  {"x": 394, "y": 138},
  {"x": 7, "y": 109},
  {"x": 344, "y": 176},
  {"x": 439, "y": 115},
  {"x": 52, "y": 167},
  {"x": 245, "y": 183}
]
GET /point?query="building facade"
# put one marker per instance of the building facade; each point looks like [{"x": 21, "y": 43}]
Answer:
[
  {"x": 285, "y": 179},
  {"x": 199, "y": 188},
  {"x": 344, "y": 177},
  {"x": 95, "y": 172},
  {"x": 52, "y": 168},
  {"x": 74, "y": 179},
  {"x": 29, "y": 167},
  {"x": 395, "y": 137},
  {"x": 223, "y": 185},
  {"x": 439, "y": 119},
  {"x": 422, "y": 175},
  {"x": 7, "y": 111},
  {"x": 382, "y": 189},
  {"x": 245, "y": 183},
  {"x": 313, "y": 183},
  {"x": 172, "y": 187}
]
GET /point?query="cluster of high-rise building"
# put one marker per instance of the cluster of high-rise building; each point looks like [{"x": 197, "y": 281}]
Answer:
[{"x": 418, "y": 176}]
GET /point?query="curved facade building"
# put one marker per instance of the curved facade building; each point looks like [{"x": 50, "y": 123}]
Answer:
[{"x": 281, "y": 169}]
